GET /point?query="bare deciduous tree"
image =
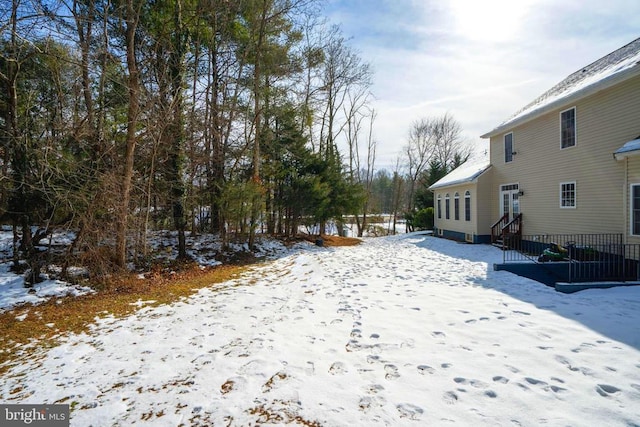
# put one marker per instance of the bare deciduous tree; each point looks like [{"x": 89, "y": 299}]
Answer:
[{"x": 433, "y": 139}]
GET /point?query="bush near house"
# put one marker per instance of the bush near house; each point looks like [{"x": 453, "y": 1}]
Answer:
[{"x": 423, "y": 219}]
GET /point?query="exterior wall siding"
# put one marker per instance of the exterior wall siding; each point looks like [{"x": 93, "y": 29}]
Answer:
[
  {"x": 480, "y": 225},
  {"x": 604, "y": 122},
  {"x": 483, "y": 203}
]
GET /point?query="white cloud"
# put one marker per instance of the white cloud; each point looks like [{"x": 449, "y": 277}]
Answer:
[{"x": 479, "y": 61}]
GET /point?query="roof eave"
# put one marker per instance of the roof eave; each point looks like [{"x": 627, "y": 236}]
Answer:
[
  {"x": 582, "y": 93},
  {"x": 625, "y": 154},
  {"x": 473, "y": 180}
]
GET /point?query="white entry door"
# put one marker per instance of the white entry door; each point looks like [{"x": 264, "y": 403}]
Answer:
[{"x": 509, "y": 200}]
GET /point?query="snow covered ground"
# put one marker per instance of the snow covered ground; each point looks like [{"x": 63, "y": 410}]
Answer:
[
  {"x": 406, "y": 330},
  {"x": 12, "y": 289}
]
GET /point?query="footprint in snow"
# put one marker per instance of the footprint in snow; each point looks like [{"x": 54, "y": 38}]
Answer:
[
  {"x": 583, "y": 346},
  {"x": 500, "y": 379},
  {"x": 450, "y": 397},
  {"x": 374, "y": 388},
  {"x": 606, "y": 390},
  {"x": 352, "y": 345},
  {"x": 368, "y": 402},
  {"x": 534, "y": 381},
  {"x": 252, "y": 367},
  {"x": 473, "y": 383},
  {"x": 512, "y": 369},
  {"x": 391, "y": 372},
  {"x": 407, "y": 410},
  {"x": 337, "y": 368},
  {"x": 310, "y": 368},
  {"x": 408, "y": 343},
  {"x": 233, "y": 384},
  {"x": 424, "y": 369},
  {"x": 275, "y": 381},
  {"x": 372, "y": 358}
]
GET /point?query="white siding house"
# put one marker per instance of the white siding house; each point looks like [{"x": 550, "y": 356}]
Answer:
[
  {"x": 462, "y": 208},
  {"x": 567, "y": 163}
]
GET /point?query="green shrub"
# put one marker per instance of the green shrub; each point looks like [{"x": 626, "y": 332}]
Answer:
[{"x": 423, "y": 219}]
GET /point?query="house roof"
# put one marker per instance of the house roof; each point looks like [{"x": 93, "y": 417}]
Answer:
[
  {"x": 631, "y": 148},
  {"x": 607, "y": 71},
  {"x": 467, "y": 172}
]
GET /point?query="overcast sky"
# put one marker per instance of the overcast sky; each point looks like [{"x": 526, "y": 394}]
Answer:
[{"x": 479, "y": 60}]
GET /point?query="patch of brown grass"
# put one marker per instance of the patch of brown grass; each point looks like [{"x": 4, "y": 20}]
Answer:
[
  {"x": 333, "y": 240},
  {"x": 46, "y": 323},
  {"x": 280, "y": 413}
]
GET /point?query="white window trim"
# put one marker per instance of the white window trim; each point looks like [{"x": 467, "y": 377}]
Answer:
[
  {"x": 504, "y": 147},
  {"x": 575, "y": 124},
  {"x": 501, "y": 189},
  {"x": 575, "y": 195},
  {"x": 636, "y": 184}
]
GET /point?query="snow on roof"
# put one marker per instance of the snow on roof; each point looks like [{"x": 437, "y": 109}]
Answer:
[
  {"x": 467, "y": 172},
  {"x": 628, "y": 149},
  {"x": 607, "y": 71}
]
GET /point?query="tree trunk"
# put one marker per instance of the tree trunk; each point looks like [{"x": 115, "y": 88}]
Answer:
[
  {"x": 133, "y": 87},
  {"x": 176, "y": 131}
]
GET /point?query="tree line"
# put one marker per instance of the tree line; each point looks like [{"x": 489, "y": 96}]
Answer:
[{"x": 122, "y": 116}]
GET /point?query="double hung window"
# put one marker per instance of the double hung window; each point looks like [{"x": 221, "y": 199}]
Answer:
[{"x": 568, "y": 194}]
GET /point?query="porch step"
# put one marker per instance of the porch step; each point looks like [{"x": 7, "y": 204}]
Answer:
[{"x": 498, "y": 244}]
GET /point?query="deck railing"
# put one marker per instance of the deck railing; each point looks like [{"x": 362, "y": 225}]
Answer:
[
  {"x": 589, "y": 257},
  {"x": 607, "y": 262},
  {"x": 506, "y": 231},
  {"x": 496, "y": 229}
]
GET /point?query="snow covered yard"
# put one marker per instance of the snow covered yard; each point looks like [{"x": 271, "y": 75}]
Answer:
[{"x": 406, "y": 330}]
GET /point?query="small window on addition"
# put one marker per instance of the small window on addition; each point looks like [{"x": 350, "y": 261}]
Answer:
[
  {"x": 447, "y": 207},
  {"x": 467, "y": 206},
  {"x": 456, "y": 207}
]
